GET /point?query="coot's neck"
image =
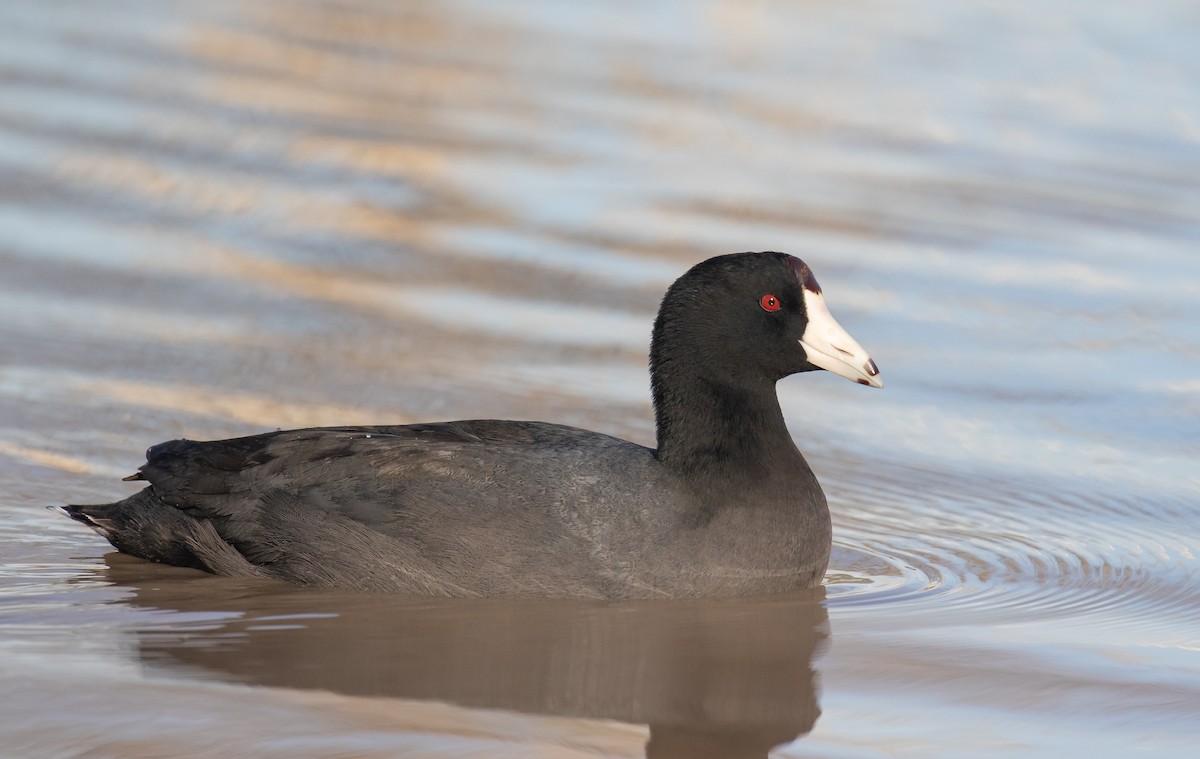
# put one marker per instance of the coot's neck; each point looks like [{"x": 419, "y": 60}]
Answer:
[{"x": 716, "y": 425}]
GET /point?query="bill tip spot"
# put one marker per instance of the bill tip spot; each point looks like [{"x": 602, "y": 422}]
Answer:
[{"x": 872, "y": 370}]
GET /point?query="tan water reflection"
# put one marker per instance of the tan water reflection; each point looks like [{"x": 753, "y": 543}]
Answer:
[{"x": 710, "y": 680}]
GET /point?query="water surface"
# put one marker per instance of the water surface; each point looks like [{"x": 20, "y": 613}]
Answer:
[{"x": 218, "y": 219}]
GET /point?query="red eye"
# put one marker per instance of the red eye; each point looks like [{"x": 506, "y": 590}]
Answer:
[{"x": 769, "y": 302}]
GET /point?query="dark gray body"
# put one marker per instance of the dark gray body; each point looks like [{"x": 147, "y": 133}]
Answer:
[
  {"x": 724, "y": 506},
  {"x": 477, "y": 508}
]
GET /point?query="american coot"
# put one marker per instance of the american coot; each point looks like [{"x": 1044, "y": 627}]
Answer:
[{"x": 725, "y": 506}]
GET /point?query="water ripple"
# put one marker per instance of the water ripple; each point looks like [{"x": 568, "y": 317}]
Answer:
[{"x": 965, "y": 547}]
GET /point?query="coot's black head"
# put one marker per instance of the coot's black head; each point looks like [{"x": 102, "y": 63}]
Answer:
[{"x": 748, "y": 319}]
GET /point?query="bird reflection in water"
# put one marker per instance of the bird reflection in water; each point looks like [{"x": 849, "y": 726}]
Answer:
[{"x": 730, "y": 679}]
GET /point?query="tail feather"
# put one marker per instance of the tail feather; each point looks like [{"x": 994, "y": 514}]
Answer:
[
  {"x": 144, "y": 526},
  {"x": 93, "y": 517}
]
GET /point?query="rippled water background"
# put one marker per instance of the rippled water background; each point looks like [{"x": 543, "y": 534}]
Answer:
[{"x": 222, "y": 218}]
